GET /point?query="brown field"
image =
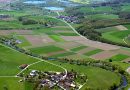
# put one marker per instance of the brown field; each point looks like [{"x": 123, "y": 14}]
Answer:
[
  {"x": 121, "y": 51},
  {"x": 61, "y": 27},
  {"x": 77, "y": 56},
  {"x": 99, "y": 45},
  {"x": 90, "y": 43},
  {"x": 20, "y": 32},
  {"x": 73, "y": 38},
  {"x": 121, "y": 27},
  {"x": 103, "y": 55},
  {"x": 37, "y": 40},
  {"x": 127, "y": 60},
  {"x": 62, "y": 31}
]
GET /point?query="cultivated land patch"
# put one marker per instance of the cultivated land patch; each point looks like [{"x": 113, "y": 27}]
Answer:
[
  {"x": 56, "y": 38},
  {"x": 93, "y": 52},
  {"x": 78, "y": 56},
  {"x": 55, "y": 53},
  {"x": 121, "y": 27},
  {"x": 88, "y": 49},
  {"x": 98, "y": 45},
  {"x": 73, "y": 38},
  {"x": 64, "y": 54},
  {"x": 46, "y": 49},
  {"x": 122, "y": 51},
  {"x": 78, "y": 48},
  {"x": 67, "y": 45},
  {"x": 119, "y": 57},
  {"x": 107, "y": 29},
  {"x": 103, "y": 55},
  {"x": 38, "y": 40},
  {"x": 20, "y": 32},
  {"x": 11, "y": 60}
]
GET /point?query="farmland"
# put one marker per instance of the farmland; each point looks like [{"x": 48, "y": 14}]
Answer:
[{"x": 45, "y": 39}]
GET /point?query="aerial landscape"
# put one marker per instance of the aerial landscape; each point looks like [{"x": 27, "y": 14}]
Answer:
[{"x": 64, "y": 44}]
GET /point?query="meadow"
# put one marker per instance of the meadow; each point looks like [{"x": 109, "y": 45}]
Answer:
[{"x": 11, "y": 60}]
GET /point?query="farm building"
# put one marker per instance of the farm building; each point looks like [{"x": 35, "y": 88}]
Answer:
[{"x": 23, "y": 66}]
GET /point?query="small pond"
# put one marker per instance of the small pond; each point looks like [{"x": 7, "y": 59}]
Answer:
[
  {"x": 34, "y": 2},
  {"x": 54, "y": 8}
]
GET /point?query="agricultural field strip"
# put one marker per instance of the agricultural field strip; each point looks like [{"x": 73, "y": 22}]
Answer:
[{"x": 40, "y": 60}]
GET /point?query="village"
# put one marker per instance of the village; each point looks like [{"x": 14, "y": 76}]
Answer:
[{"x": 53, "y": 80}]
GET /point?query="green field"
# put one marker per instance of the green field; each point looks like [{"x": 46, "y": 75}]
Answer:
[
  {"x": 46, "y": 49},
  {"x": 102, "y": 16},
  {"x": 93, "y": 52},
  {"x": 56, "y": 38},
  {"x": 63, "y": 54},
  {"x": 11, "y": 84},
  {"x": 119, "y": 57},
  {"x": 107, "y": 29},
  {"x": 15, "y": 24}
]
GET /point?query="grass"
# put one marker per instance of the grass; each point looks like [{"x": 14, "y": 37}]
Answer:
[
  {"x": 63, "y": 54},
  {"x": 15, "y": 24},
  {"x": 96, "y": 76},
  {"x": 43, "y": 66},
  {"x": 46, "y": 49},
  {"x": 11, "y": 84},
  {"x": 122, "y": 64},
  {"x": 103, "y": 16},
  {"x": 10, "y": 61},
  {"x": 107, "y": 29},
  {"x": 119, "y": 57},
  {"x": 56, "y": 38},
  {"x": 96, "y": 9},
  {"x": 93, "y": 52},
  {"x": 14, "y": 13},
  {"x": 110, "y": 36},
  {"x": 78, "y": 48}
]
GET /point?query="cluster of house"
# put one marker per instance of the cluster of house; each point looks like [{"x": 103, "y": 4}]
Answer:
[
  {"x": 69, "y": 19},
  {"x": 58, "y": 79},
  {"x": 4, "y": 16}
]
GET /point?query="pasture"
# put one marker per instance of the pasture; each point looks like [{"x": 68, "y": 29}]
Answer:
[
  {"x": 46, "y": 49},
  {"x": 11, "y": 60}
]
